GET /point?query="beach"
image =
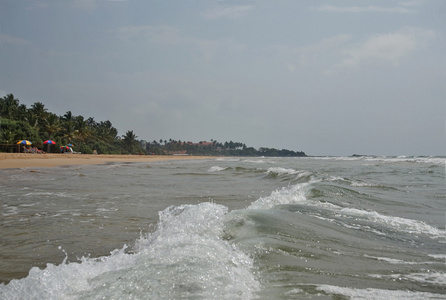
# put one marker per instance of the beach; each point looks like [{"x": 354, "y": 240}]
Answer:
[{"x": 28, "y": 160}]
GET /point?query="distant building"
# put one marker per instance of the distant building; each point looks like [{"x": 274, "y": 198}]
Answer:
[{"x": 200, "y": 143}]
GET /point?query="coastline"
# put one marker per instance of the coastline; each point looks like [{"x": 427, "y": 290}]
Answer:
[{"x": 28, "y": 160}]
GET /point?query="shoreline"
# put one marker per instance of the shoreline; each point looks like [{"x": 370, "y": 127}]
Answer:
[{"x": 51, "y": 160}]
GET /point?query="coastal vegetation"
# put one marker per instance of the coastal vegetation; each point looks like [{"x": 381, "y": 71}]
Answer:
[{"x": 37, "y": 124}]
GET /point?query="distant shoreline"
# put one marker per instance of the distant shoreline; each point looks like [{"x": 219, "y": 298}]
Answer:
[{"x": 28, "y": 160}]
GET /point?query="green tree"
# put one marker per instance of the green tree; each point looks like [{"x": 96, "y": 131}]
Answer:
[
  {"x": 130, "y": 142},
  {"x": 39, "y": 111},
  {"x": 52, "y": 125},
  {"x": 106, "y": 132},
  {"x": 32, "y": 119},
  {"x": 13, "y": 131},
  {"x": 9, "y": 107},
  {"x": 82, "y": 133}
]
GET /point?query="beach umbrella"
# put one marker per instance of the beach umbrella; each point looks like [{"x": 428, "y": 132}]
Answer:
[
  {"x": 49, "y": 142},
  {"x": 22, "y": 142},
  {"x": 70, "y": 145}
]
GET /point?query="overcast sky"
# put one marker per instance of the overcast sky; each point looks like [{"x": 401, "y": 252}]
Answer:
[{"x": 323, "y": 77}]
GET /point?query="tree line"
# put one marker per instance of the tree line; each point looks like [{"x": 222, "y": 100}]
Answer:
[
  {"x": 37, "y": 124},
  {"x": 214, "y": 148}
]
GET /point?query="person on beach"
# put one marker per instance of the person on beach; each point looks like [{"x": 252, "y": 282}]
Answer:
[{"x": 36, "y": 150}]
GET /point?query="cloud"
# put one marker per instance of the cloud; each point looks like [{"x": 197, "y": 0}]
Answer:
[
  {"x": 387, "y": 47},
  {"x": 363, "y": 9},
  {"x": 172, "y": 36},
  {"x": 88, "y": 5},
  {"x": 319, "y": 53},
  {"x": 312, "y": 52},
  {"x": 162, "y": 34},
  {"x": 226, "y": 12},
  {"x": 343, "y": 52},
  {"x": 217, "y": 48},
  {"x": 7, "y": 39},
  {"x": 412, "y": 3},
  {"x": 384, "y": 48},
  {"x": 37, "y": 5}
]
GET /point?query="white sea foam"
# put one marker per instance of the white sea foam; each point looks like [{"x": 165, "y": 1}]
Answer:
[
  {"x": 10, "y": 210},
  {"x": 435, "y": 278},
  {"x": 28, "y": 204},
  {"x": 258, "y": 161},
  {"x": 216, "y": 169},
  {"x": 298, "y": 194},
  {"x": 388, "y": 159},
  {"x": 228, "y": 159},
  {"x": 284, "y": 171},
  {"x": 280, "y": 171},
  {"x": 294, "y": 194},
  {"x": 184, "y": 257},
  {"x": 398, "y": 261},
  {"x": 47, "y": 194},
  {"x": 371, "y": 293},
  {"x": 438, "y": 256},
  {"x": 365, "y": 184},
  {"x": 409, "y": 159},
  {"x": 336, "y": 178},
  {"x": 108, "y": 209},
  {"x": 397, "y": 223}
]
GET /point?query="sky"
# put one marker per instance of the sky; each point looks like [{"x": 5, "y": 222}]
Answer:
[{"x": 324, "y": 77}]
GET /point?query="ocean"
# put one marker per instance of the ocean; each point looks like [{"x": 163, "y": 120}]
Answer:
[{"x": 226, "y": 228}]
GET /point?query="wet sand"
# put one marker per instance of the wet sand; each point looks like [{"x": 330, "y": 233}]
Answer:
[{"x": 29, "y": 160}]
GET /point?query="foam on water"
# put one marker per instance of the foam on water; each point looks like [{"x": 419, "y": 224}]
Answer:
[
  {"x": 371, "y": 293},
  {"x": 285, "y": 171},
  {"x": 259, "y": 161},
  {"x": 397, "y": 223},
  {"x": 387, "y": 159},
  {"x": 216, "y": 169},
  {"x": 184, "y": 257},
  {"x": 297, "y": 194},
  {"x": 436, "y": 278},
  {"x": 409, "y": 159},
  {"x": 438, "y": 256},
  {"x": 10, "y": 210},
  {"x": 280, "y": 170},
  {"x": 398, "y": 261},
  {"x": 292, "y": 195}
]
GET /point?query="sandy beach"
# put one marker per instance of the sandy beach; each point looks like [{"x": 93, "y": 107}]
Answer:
[{"x": 28, "y": 160}]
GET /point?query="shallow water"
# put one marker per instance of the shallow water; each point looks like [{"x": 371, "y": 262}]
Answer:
[{"x": 230, "y": 228}]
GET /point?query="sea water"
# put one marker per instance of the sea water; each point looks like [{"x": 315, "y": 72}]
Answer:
[{"x": 227, "y": 228}]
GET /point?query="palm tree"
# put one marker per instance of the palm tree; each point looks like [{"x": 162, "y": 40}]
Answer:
[
  {"x": 32, "y": 119},
  {"x": 39, "y": 110},
  {"x": 52, "y": 124},
  {"x": 130, "y": 141},
  {"x": 67, "y": 117},
  {"x": 82, "y": 132},
  {"x": 68, "y": 131},
  {"x": 9, "y": 106},
  {"x": 106, "y": 132}
]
